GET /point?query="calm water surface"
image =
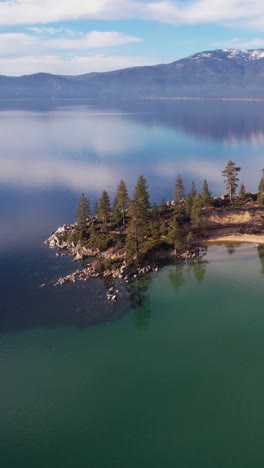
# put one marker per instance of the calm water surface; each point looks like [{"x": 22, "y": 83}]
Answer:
[{"x": 170, "y": 376}]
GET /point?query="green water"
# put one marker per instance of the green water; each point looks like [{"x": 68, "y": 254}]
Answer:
[{"x": 178, "y": 382}]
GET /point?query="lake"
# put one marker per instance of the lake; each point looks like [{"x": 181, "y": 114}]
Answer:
[{"x": 170, "y": 375}]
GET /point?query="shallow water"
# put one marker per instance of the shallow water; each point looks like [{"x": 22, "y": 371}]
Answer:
[{"x": 178, "y": 381}]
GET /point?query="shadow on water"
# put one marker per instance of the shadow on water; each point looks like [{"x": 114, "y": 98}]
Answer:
[
  {"x": 231, "y": 248},
  {"x": 176, "y": 276},
  {"x": 140, "y": 301},
  {"x": 261, "y": 257},
  {"x": 197, "y": 267}
]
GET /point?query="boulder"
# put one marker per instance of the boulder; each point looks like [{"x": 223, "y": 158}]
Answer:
[{"x": 78, "y": 257}]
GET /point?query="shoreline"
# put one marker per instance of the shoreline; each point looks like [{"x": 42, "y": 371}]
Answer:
[
  {"x": 219, "y": 226},
  {"x": 236, "y": 237}
]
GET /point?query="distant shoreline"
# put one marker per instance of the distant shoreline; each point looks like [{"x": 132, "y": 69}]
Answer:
[
  {"x": 186, "y": 98},
  {"x": 139, "y": 98}
]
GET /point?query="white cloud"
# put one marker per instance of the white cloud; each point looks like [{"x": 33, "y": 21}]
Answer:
[
  {"x": 93, "y": 40},
  {"x": 168, "y": 11},
  {"x": 16, "y": 43},
  {"x": 205, "y": 11},
  {"x": 27, "y": 44},
  {"x": 73, "y": 66},
  {"x": 39, "y": 11},
  {"x": 51, "y": 31}
]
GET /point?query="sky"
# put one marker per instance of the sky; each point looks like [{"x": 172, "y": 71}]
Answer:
[{"x": 72, "y": 37}]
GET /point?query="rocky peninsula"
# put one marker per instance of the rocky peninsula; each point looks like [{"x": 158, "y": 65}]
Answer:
[
  {"x": 132, "y": 237},
  {"x": 219, "y": 225}
]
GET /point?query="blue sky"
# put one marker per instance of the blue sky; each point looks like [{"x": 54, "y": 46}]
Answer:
[{"x": 81, "y": 36}]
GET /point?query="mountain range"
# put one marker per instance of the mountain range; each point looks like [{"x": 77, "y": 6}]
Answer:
[{"x": 222, "y": 73}]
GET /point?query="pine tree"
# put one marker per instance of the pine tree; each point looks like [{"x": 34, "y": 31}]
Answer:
[
  {"x": 175, "y": 234},
  {"x": 141, "y": 195},
  {"x": 178, "y": 192},
  {"x": 230, "y": 174},
  {"x": 190, "y": 239},
  {"x": 261, "y": 189},
  {"x": 242, "y": 192},
  {"x": 189, "y": 199},
  {"x": 104, "y": 208},
  {"x": 162, "y": 203},
  {"x": 205, "y": 194},
  {"x": 155, "y": 221},
  {"x": 193, "y": 190},
  {"x": 196, "y": 211},
  {"x": 137, "y": 231},
  {"x": 121, "y": 203},
  {"x": 83, "y": 211}
]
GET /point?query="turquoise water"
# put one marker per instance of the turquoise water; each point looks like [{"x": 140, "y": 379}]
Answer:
[{"x": 177, "y": 382}]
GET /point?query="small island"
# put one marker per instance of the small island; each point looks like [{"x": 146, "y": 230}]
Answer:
[{"x": 133, "y": 237}]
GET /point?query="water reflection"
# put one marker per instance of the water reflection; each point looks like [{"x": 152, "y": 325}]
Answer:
[
  {"x": 231, "y": 247},
  {"x": 176, "y": 276},
  {"x": 140, "y": 302},
  {"x": 229, "y": 121},
  {"x": 77, "y": 176},
  {"x": 91, "y": 147},
  {"x": 198, "y": 268},
  {"x": 261, "y": 257}
]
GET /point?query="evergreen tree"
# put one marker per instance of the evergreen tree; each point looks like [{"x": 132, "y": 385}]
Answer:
[
  {"x": 190, "y": 239},
  {"x": 137, "y": 231},
  {"x": 189, "y": 199},
  {"x": 83, "y": 211},
  {"x": 175, "y": 234},
  {"x": 155, "y": 221},
  {"x": 104, "y": 208},
  {"x": 121, "y": 203},
  {"x": 178, "y": 192},
  {"x": 196, "y": 211},
  {"x": 261, "y": 189},
  {"x": 188, "y": 204},
  {"x": 230, "y": 174},
  {"x": 193, "y": 190},
  {"x": 242, "y": 192},
  {"x": 162, "y": 203},
  {"x": 206, "y": 195},
  {"x": 141, "y": 195}
]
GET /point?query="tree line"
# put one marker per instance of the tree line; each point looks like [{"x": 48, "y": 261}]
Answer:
[{"x": 139, "y": 227}]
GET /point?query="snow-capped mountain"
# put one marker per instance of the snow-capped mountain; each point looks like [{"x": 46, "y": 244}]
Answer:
[
  {"x": 223, "y": 54},
  {"x": 222, "y": 73}
]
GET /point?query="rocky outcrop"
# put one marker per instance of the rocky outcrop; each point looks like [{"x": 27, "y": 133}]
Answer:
[
  {"x": 122, "y": 272},
  {"x": 79, "y": 275},
  {"x": 116, "y": 268},
  {"x": 58, "y": 240}
]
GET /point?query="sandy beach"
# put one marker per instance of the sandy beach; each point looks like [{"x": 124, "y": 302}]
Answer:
[{"x": 236, "y": 237}]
